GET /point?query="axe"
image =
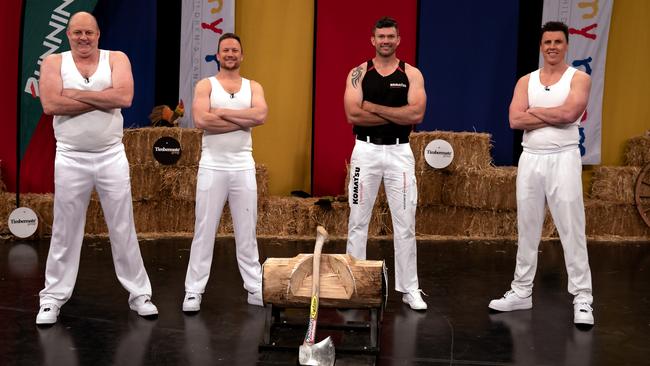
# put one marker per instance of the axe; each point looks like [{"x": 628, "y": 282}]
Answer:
[{"x": 321, "y": 353}]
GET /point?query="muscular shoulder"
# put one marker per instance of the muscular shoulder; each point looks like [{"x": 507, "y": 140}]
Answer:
[
  {"x": 356, "y": 74},
  {"x": 52, "y": 60},
  {"x": 118, "y": 56},
  {"x": 412, "y": 71},
  {"x": 581, "y": 76},
  {"x": 255, "y": 85}
]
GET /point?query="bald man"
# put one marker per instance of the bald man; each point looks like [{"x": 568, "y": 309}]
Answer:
[{"x": 85, "y": 89}]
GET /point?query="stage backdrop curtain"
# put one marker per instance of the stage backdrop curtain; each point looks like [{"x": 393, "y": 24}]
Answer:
[
  {"x": 588, "y": 33},
  {"x": 342, "y": 43},
  {"x": 202, "y": 23},
  {"x": 467, "y": 52},
  {"x": 43, "y": 34},
  {"x": 9, "y": 42}
]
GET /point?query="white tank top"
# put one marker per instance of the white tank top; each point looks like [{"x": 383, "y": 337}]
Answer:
[
  {"x": 92, "y": 131},
  {"x": 552, "y": 138},
  {"x": 231, "y": 150}
]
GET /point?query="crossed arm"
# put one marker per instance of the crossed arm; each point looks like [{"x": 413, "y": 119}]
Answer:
[
  {"x": 364, "y": 113},
  {"x": 524, "y": 118},
  {"x": 59, "y": 101},
  {"x": 222, "y": 120}
]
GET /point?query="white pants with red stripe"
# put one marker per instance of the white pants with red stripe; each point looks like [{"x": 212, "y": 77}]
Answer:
[
  {"x": 394, "y": 164},
  {"x": 213, "y": 188},
  {"x": 75, "y": 176},
  {"x": 555, "y": 179}
]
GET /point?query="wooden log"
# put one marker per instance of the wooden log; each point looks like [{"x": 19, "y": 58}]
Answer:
[{"x": 345, "y": 282}]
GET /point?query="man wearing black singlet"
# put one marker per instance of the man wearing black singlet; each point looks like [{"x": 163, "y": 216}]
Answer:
[{"x": 384, "y": 98}]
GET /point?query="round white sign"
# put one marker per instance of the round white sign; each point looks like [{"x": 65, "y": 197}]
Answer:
[
  {"x": 23, "y": 222},
  {"x": 439, "y": 154}
]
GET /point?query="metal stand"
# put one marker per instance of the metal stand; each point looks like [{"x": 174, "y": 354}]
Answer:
[{"x": 276, "y": 320}]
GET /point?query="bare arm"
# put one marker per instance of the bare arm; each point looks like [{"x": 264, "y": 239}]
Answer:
[
  {"x": 119, "y": 95},
  {"x": 203, "y": 119},
  {"x": 250, "y": 117},
  {"x": 520, "y": 118},
  {"x": 353, "y": 99},
  {"x": 413, "y": 112},
  {"x": 573, "y": 106},
  {"x": 51, "y": 88}
]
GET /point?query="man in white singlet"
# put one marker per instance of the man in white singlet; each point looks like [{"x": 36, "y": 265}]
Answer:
[
  {"x": 85, "y": 89},
  {"x": 226, "y": 107},
  {"x": 548, "y": 104}
]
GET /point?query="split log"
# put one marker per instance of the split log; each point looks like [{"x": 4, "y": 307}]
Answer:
[{"x": 345, "y": 282}]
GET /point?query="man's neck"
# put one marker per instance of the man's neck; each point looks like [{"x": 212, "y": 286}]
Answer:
[
  {"x": 86, "y": 59},
  {"x": 558, "y": 68},
  {"x": 385, "y": 62},
  {"x": 228, "y": 74}
]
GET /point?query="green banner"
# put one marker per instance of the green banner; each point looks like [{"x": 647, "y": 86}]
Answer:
[{"x": 44, "y": 28}]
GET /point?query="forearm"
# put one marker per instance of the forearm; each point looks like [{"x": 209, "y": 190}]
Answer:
[
  {"x": 554, "y": 116},
  {"x": 359, "y": 117},
  {"x": 526, "y": 121},
  {"x": 405, "y": 115},
  {"x": 213, "y": 124},
  {"x": 110, "y": 98},
  {"x": 64, "y": 106},
  {"x": 244, "y": 118}
]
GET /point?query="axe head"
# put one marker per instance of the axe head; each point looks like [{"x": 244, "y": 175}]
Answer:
[{"x": 321, "y": 353}]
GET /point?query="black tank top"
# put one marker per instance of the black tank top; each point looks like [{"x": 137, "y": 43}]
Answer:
[{"x": 390, "y": 91}]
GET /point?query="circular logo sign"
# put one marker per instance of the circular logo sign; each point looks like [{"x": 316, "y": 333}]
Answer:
[
  {"x": 167, "y": 150},
  {"x": 439, "y": 154},
  {"x": 23, "y": 222}
]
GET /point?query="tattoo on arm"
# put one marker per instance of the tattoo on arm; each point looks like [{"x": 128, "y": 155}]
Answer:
[{"x": 356, "y": 75}]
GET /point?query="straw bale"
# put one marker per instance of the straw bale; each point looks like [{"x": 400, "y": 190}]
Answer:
[
  {"x": 138, "y": 143},
  {"x": 614, "y": 184},
  {"x": 637, "y": 151},
  {"x": 292, "y": 216},
  {"x": 470, "y": 222},
  {"x": 608, "y": 218},
  {"x": 491, "y": 188},
  {"x": 7, "y": 205},
  {"x": 155, "y": 181},
  {"x": 471, "y": 149}
]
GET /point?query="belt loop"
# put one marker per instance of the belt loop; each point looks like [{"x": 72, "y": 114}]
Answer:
[
  {"x": 368, "y": 139},
  {"x": 397, "y": 141}
]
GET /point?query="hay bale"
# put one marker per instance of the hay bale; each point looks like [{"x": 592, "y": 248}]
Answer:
[
  {"x": 7, "y": 205},
  {"x": 138, "y": 143},
  {"x": 155, "y": 181},
  {"x": 471, "y": 222},
  {"x": 637, "y": 151},
  {"x": 491, "y": 188},
  {"x": 471, "y": 150},
  {"x": 608, "y": 218},
  {"x": 614, "y": 184},
  {"x": 292, "y": 216}
]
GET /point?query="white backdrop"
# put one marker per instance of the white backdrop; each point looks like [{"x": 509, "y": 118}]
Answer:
[{"x": 202, "y": 23}]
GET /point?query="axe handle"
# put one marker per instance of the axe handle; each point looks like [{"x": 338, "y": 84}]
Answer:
[{"x": 310, "y": 337}]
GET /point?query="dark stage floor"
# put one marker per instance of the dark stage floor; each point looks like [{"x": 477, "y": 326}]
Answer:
[{"x": 96, "y": 326}]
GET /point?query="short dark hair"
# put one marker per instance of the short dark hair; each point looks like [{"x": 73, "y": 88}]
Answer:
[
  {"x": 386, "y": 22},
  {"x": 555, "y": 27},
  {"x": 230, "y": 36}
]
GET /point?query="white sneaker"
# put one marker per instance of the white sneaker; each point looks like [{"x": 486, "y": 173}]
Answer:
[
  {"x": 47, "y": 314},
  {"x": 192, "y": 302},
  {"x": 414, "y": 300},
  {"x": 510, "y": 301},
  {"x": 143, "y": 306},
  {"x": 255, "y": 298},
  {"x": 583, "y": 314}
]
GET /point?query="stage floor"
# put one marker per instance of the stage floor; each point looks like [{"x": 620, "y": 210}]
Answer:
[{"x": 96, "y": 326}]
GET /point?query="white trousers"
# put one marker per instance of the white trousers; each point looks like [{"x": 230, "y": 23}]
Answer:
[
  {"x": 213, "y": 188},
  {"x": 555, "y": 179},
  {"x": 75, "y": 175},
  {"x": 394, "y": 164}
]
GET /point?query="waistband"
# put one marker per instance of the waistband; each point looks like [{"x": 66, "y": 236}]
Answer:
[{"x": 383, "y": 140}]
